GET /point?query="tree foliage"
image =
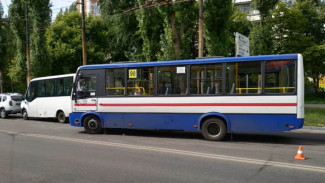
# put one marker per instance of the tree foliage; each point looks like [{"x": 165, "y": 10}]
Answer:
[
  {"x": 17, "y": 65},
  {"x": 265, "y": 8},
  {"x": 298, "y": 28},
  {"x": 144, "y": 30},
  {"x": 217, "y": 18}
]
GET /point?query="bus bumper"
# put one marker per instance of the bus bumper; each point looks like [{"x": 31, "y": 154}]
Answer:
[
  {"x": 75, "y": 119},
  {"x": 300, "y": 123}
]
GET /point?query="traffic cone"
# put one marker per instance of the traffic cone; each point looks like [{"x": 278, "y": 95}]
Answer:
[{"x": 299, "y": 155}]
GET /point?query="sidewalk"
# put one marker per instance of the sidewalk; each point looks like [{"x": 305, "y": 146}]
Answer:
[{"x": 322, "y": 106}]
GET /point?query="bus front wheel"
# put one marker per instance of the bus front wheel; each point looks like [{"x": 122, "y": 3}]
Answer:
[
  {"x": 92, "y": 125},
  {"x": 214, "y": 129}
]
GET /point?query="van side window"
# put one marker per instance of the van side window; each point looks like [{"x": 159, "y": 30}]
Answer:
[{"x": 31, "y": 93}]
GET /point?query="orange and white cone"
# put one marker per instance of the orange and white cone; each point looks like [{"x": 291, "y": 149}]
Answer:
[{"x": 300, "y": 155}]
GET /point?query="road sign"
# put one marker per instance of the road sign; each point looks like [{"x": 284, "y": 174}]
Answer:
[{"x": 242, "y": 45}]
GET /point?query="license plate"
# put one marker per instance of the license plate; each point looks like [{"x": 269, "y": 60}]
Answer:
[{"x": 17, "y": 103}]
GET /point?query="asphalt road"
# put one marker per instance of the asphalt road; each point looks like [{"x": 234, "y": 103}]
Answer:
[{"x": 47, "y": 151}]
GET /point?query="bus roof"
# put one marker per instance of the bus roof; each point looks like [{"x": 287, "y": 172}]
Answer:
[
  {"x": 53, "y": 77},
  {"x": 192, "y": 61}
]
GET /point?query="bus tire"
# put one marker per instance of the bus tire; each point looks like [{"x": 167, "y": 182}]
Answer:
[
  {"x": 92, "y": 125},
  {"x": 214, "y": 129},
  {"x": 61, "y": 117},
  {"x": 25, "y": 114},
  {"x": 3, "y": 113}
]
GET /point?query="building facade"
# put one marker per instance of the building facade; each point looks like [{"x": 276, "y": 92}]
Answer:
[
  {"x": 91, "y": 7},
  {"x": 252, "y": 14}
]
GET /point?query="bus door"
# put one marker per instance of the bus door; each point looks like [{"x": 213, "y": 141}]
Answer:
[{"x": 86, "y": 97}]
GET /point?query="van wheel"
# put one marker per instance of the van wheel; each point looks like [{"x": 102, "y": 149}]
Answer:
[
  {"x": 61, "y": 117},
  {"x": 92, "y": 125},
  {"x": 3, "y": 113},
  {"x": 25, "y": 115},
  {"x": 214, "y": 129}
]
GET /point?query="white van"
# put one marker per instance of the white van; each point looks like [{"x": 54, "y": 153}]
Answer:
[{"x": 48, "y": 97}]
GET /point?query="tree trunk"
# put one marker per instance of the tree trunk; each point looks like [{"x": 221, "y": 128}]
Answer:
[{"x": 175, "y": 34}]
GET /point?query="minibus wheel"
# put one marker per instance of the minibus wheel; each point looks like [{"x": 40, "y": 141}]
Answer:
[
  {"x": 214, "y": 129},
  {"x": 61, "y": 117},
  {"x": 25, "y": 115},
  {"x": 92, "y": 124}
]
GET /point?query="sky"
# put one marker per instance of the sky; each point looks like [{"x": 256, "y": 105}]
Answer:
[{"x": 57, "y": 5}]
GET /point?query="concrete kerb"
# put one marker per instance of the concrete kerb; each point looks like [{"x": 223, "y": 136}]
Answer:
[{"x": 313, "y": 128}]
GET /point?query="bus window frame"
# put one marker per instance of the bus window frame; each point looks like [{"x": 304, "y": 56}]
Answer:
[{"x": 188, "y": 77}]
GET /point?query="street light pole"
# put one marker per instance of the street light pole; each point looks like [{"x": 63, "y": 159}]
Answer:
[
  {"x": 83, "y": 27},
  {"x": 201, "y": 29}
]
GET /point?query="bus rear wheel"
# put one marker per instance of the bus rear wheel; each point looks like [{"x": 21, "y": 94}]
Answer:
[
  {"x": 214, "y": 129},
  {"x": 92, "y": 125}
]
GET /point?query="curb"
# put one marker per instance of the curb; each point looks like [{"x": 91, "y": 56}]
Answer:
[{"x": 313, "y": 128}]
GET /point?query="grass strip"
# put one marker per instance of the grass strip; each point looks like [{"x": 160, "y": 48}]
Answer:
[{"x": 314, "y": 117}]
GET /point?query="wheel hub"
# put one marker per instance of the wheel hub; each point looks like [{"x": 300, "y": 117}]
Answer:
[
  {"x": 213, "y": 129},
  {"x": 3, "y": 113},
  {"x": 93, "y": 124}
]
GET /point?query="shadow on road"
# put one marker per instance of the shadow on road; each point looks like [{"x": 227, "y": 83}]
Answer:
[
  {"x": 296, "y": 137},
  {"x": 302, "y": 138}
]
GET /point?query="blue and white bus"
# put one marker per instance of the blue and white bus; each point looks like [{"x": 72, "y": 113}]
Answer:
[{"x": 213, "y": 96}]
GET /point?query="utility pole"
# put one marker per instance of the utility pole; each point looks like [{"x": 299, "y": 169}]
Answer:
[
  {"x": 201, "y": 29},
  {"x": 83, "y": 27},
  {"x": 27, "y": 46}
]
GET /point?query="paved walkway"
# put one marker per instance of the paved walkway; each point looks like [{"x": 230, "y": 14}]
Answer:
[{"x": 322, "y": 106}]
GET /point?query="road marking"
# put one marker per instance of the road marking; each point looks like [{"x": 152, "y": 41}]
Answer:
[{"x": 174, "y": 151}]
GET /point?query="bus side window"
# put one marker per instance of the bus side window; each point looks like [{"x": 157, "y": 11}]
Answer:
[
  {"x": 115, "y": 82},
  {"x": 140, "y": 81},
  {"x": 206, "y": 79},
  {"x": 173, "y": 80},
  {"x": 280, "y": 77},
  {"x": 244, "y": 78}
]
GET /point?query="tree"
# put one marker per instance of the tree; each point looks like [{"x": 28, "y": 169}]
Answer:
[
  {"x": 1, "y": 10},
  {"x": 17, "y": 65},
  {"x": 314, "y": 58},
  {"x": 150, "y": 28},
  {"x": 261, "y": 40},
  {"x": 180, "y": 31},
  {"x": 2, "y": 47},
  {"x": 63, "y": 40},
  {"x": 125, "y": 43},
  {"x": 64, "y": 43},
  {"x": 39, "y": 19},
  {"x": 217, "y": 17},
  {"x": 265, "y": 8}
]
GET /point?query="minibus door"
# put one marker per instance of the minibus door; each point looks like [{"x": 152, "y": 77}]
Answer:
[{"x": 86, "y": 92}]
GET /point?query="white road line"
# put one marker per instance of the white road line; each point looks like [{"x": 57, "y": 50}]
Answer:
[{"x": 175, "y": 151}]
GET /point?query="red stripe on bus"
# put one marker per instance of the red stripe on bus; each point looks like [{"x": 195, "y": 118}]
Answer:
[
  {"x": 87, "y": 105},
  {"x": 201, "y": 105}
]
